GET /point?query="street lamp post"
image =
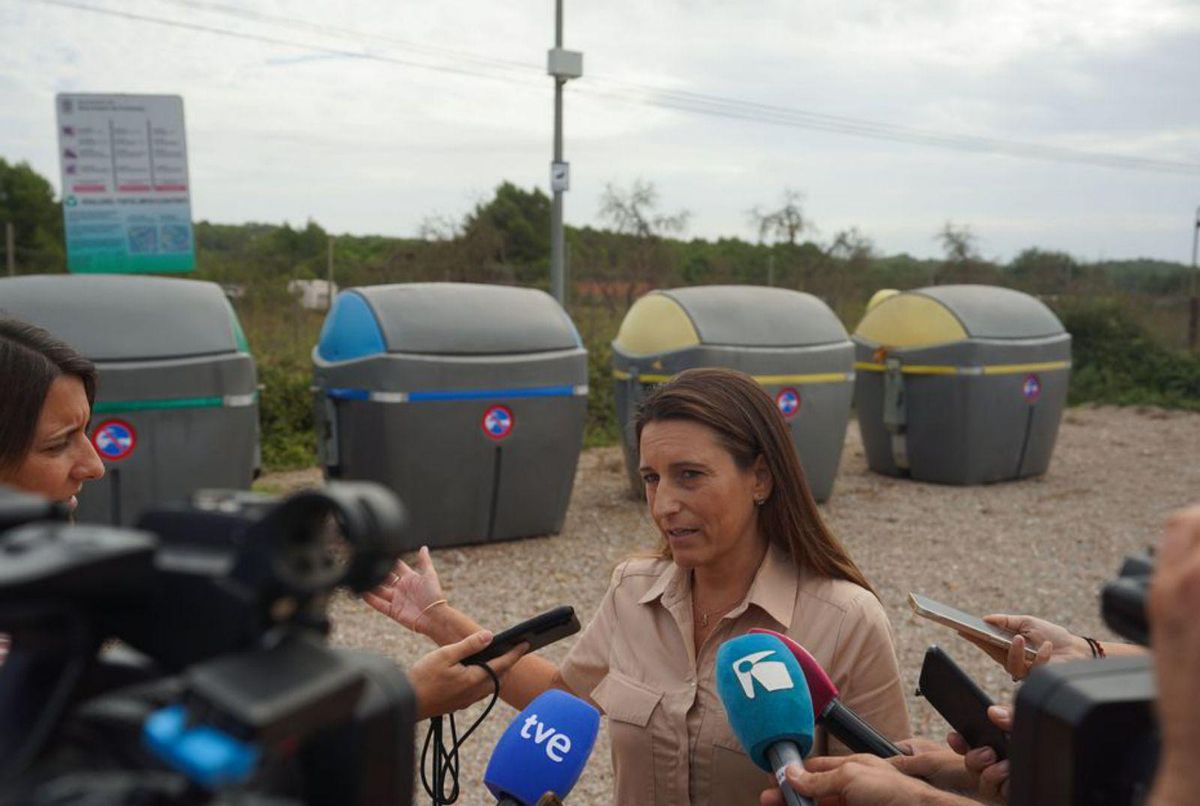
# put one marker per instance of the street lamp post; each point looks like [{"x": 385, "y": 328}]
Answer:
[{"x": 562, "y": 65}]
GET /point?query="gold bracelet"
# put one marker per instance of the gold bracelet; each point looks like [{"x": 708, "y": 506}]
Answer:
[
  {"x": 432, "y": 605},
  {"x": 428, "y": 607}
]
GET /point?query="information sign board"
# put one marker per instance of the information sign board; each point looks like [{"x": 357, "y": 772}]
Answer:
[{"x": 126, "y": 203}]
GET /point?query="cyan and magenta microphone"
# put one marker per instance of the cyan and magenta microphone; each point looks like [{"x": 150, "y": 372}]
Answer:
[
  {"x": 766, "y": 699},
  {"x": 542, "y": 753},
  {"x": 828, "y": 711}
]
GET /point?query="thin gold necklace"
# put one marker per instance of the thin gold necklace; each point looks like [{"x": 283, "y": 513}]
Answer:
[{"x": 705, "y": 615}]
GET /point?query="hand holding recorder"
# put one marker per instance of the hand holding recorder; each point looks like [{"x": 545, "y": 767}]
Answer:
[{"x": 1018, "y": 643}]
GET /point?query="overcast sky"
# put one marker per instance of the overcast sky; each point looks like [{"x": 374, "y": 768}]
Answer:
[{"x": 371, "y": 119}]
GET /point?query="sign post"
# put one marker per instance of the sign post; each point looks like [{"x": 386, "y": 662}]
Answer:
[
  {"x": 126, "y": 201},
  {"x": 562, "y": 65}
]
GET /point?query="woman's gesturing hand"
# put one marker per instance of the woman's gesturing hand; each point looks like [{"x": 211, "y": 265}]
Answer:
[{"x": 409, "y": 592}]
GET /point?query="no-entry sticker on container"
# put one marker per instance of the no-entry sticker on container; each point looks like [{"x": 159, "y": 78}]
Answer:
[
  {"x": 1032, "y": 388},
  {"x": 788, "y": 401},
  {"x": 114, "y": 439},
  {"x": 498, "y": 422}
]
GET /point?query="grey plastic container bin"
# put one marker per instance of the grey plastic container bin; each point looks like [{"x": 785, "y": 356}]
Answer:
[
  {"x": 177, "y": 403},
  {"x": 467, "y": 400},
  {"x": 961, "y": 384},
  {"x": 789, "y": 341}
]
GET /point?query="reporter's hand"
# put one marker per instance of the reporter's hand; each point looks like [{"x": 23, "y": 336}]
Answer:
[
  {"x": 935, "y": 763},
  {"x": 860, "y": 780},
  {"x": 408, "y": 592},
  {"x": 1053, "y": 643},
  {"x": 442, "y": 684},
  {"x": 991, "y": 776}
]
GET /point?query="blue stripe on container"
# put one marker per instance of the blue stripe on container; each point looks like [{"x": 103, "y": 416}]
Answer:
[
  {"x": 340, "y": 393},
  {"x": 348, "y": 394},
  {"x": 484, "y": 394}
]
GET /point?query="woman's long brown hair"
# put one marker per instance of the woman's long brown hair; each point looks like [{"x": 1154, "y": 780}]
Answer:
[{"x": 748, "y": 424}]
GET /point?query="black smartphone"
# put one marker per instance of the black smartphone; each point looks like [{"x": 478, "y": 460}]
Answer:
[
  {"x": 960, "y": 701},
  {"x": 538, "y": 632}
]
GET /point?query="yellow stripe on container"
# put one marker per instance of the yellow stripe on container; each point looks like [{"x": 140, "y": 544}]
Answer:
[
  {"x": 994, "y": 369},
  {"x": 765, "y": 380},
  {"x": 1008, "y": 369}
]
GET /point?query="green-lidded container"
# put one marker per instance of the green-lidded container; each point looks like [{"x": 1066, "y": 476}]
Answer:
[{"x": 176, "y": 406}]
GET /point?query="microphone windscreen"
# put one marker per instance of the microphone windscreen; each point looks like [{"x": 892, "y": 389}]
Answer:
[
  {"x": 820, "y": 688},
  {"x": 544, "y": 749},
  {"x": 764, "y": 694}
]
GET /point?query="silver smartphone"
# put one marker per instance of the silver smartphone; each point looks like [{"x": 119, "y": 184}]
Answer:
[{"x": 959, "y": 621}]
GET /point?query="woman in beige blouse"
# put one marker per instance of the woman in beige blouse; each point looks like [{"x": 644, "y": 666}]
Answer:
[{"x": 743, "y": 545}]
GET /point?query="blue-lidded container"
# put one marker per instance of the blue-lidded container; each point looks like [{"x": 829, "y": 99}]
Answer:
[{"x": 467, "y": 400}]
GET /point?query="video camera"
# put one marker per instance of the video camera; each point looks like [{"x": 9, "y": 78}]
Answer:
[
  {"x": 1086, "y": 732},
  {"x": 185, "y": 661}
]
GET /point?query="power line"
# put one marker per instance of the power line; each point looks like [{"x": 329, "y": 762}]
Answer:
[
  {"x": 526, "y": 74},
  {"x": 323, "y": 28},
  {"x": 269, "y": 40}
]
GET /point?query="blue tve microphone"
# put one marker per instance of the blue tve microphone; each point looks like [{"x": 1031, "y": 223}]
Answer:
[
  {"x": 544, "y": 750},
  {"x": 768, "y": 703}
]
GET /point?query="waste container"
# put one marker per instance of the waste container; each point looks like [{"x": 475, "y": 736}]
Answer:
[
  {"x": 467, "y": 400},
  {"x": 177, "y": 403},
  {"x": 961, "y": 384},
  {"x": 789, "y": 341}
]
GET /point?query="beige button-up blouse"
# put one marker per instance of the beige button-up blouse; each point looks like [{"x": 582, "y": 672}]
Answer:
[{"x": 671, "y": 742}]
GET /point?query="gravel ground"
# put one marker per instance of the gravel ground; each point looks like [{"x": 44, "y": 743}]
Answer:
[{"x": 1041, "y": 546}]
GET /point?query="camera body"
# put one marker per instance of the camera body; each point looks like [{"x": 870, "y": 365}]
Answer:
[
  {"x": 219, "y": 680},
  {"x": 1085, "y": 733}
]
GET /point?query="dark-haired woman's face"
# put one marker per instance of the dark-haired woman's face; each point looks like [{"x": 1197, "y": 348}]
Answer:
[
  {"x": 62, "y": 457},
  {"x": 701, "y": 501}
]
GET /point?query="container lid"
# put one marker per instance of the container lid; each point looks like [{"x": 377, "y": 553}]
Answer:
[
  {"x": 444, "y": 319},
  {"x": 950, "y": 313},
  {"x": 123, "y": 317},
  {"x": 727, "y": 315}
]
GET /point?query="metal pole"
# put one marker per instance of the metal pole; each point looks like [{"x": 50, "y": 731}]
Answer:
[
  {"x": 1195, "y": 239},
  {"x": 557, "y": 275},
  {"x": 10, "y": 248},
  {"x": 771, "y": 269}
]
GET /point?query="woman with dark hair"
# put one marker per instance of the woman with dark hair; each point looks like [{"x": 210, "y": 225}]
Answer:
[
  {"x": 743, "y": 546},
  {"x": 45, "y": 405}
]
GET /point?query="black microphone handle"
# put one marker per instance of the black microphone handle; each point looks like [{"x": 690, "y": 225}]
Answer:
[
  {"x": 780, "y": 755},
  {"x": 854, "y": 732}
]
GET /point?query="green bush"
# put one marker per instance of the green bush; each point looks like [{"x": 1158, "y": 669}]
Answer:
[
  {"x": 602, "y": 428},
  {"x": 1115, "y": 360},
  {"x": 288, "y": 438}
]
